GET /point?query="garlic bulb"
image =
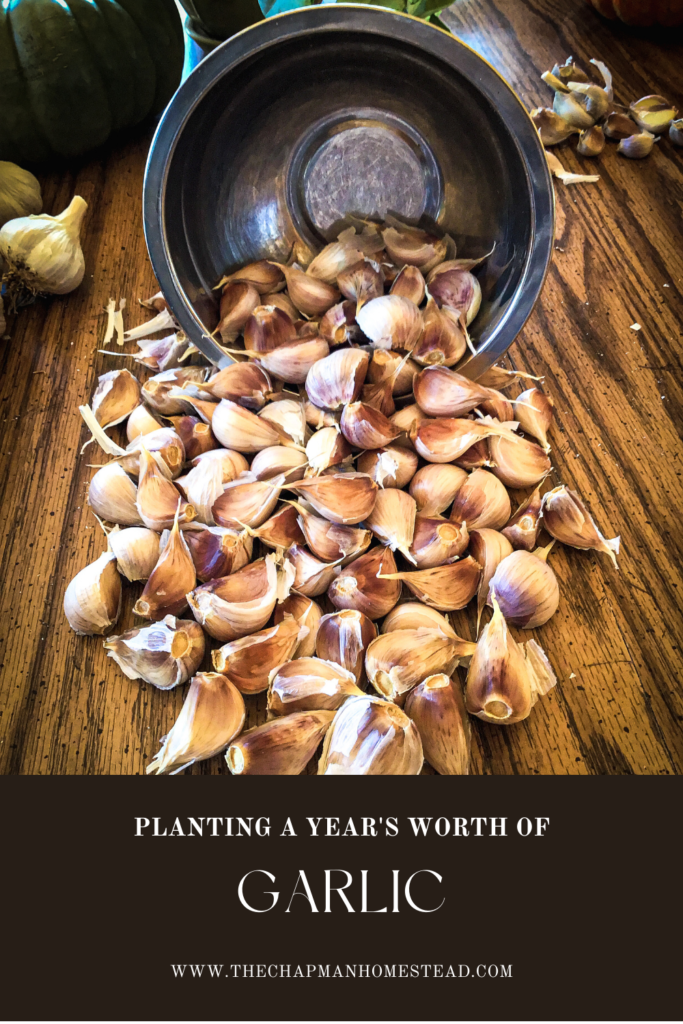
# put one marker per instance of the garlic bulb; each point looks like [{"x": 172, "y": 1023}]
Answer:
[
  {"x": 281, "y": 747},
  {"x": 309, "y": 684},
  {"x": 212, "y": 715},
  {"x": 44, "y": 253},
  {"x": 249, "y": 661},
  {"x": 136, "y": 550},
  {"x": 370, "y": 736},
  {"x": 165, "y": 653},
  {"x": 92, "y": 601},
  {"x": 20, "y": 192},
  {"x": 504, "y": 680},
  {"x": 567, "y": 519},
  {"x": 308, "y": 615},
  {"x": 438, "y": 709},
  {"x": 165, "y": 592},
  {"x": 526, "y": 588}
]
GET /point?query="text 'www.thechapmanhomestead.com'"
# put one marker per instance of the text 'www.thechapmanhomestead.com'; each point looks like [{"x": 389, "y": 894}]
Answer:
[{"x": 196, "y": 971}]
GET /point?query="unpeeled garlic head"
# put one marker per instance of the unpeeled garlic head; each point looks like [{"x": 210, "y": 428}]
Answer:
[{"x": 44, "y": 253}]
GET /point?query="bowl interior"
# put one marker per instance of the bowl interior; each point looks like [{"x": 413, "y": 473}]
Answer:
[{"x": 271, "y": 147}]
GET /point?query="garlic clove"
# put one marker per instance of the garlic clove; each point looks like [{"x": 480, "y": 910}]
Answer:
[
  {"x": 635, "y": 147},
  {"x": 309, "y": 684},
  {"x": 166, "y": 447},
  {"x": 338, "y": 324},
  {"x": 445, "y": 587},
  {"x": 20, "y": 193},
  {"x": 498, "y": 407},
  {"x": 217, "y": 551},
  {"x": 337, "y": 379},
  {"x": 499, "y": 378},
  {"x": 92, "y": 601},
  {"x": 364, "y": 585},
  {"x": 591, "y": 141},
  {"x": 343, "y": 637},
  {"x": 676, "y": 132},
  {"x": 523, "y": 528},
  {"x": 476, "y": 457},
  {"x": 594, "y": 98},
  {"x": 567, "y": 519},
  {"x": 234, "y": 606},
  {"x": 517, "y": 462},
  {"x": 437, "y": 708},
  {"x": 533, "y": 410},
  {"x": 308, "y": 615},
  {"x": 43, "y": 254},
  {"x": 266, "y": 329},
  {"x": 361, "y": 282},
  {"x": 313, "y": 576},
  {"x": 141, "y": 421},
  {"x": 389, "y": 466},
  {"x": 247, "y": 501},
  {"x": 489, "y": 548},
  {"x": 456, "y": 289},
  {"x": 331, "y": 541},
  {"x": 444, "y": 338},
  {"x": 653, "y": 113},
  {"x": 619, "y": 126},
  {"x": 231, "y": 463},
  {"x": 344, "y": 498},
  {"x": 392, "y": 520},
  {"x": 248, "y": 662},
  {"x": 397, "y": 661},
  {"x": 336, "y": 257},
  {"x": 197, "y": 437},
  {"x": 281, "y": 747},
  {"x": 136, "y": 550},
  {"x": 202, "y": 487},
  {"x": 407, "y": 420},
  {"x": 156, "y": 302},
  {"x": 241, "y": 430},
  {"x": 415, "y": 247},
  {"x": 443, "y": 392},
  {"x": 387, "y": 364},
  {"x": 550, "y": 126},
  {"x": 156, "y": 390},
  {"x": 212, "y": 715},
  {"x": 245, "y": 383},
  {"x": 283, "y": 302},
  {"x": 310, "y": 295},
  {"x": 270, "y": 462},
  {"x": 569, "y": 72},
  {"x": 573, "y": 110},
  {"x": 205, "y": 408},
  {"x": 172, "y": 577},
  {"x": 164, "y": 654},
  {"x": 415, "y": 615},
  {"x": 292, "y": 361},
  {"x": 281, "y": 530},
  {"x": 436, "y": 541},
  {"x": 370, "y": 736},
  {"x": 482, "y": 502},
  {"x": 526, "y": 588},
  {"x": 504, "y": 680},
  {"x": 365, "y": 427},
  {"x": 435, "y": 486},
  {"x": 262, "y": 275},
  {"x": 289, "y": 419},
  {"x": 410, "y": 284},
  {"x": 112, "y": 495},
  {"x": 160, "y": 353},
  {"x": 116, "y": 396},
  {"x": 391, "y": 321},
  {"x": 158, "y": 499},
  {"x": 327, "y": 447},
  {"x": 238, "y": 302},
  {"x": 443, "y": 440}
]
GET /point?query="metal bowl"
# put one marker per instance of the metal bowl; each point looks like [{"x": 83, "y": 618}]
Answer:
[{"x": 334, "y": 110}]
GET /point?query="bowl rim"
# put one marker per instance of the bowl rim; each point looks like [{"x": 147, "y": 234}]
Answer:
[{"x": 381, "y": 21}]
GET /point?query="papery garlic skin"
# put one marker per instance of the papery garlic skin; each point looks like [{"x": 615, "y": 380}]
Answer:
[
  {"x": 437, "y": 707},
  {"x": 504, "y": 680},
  {"x": 212, "y": 715},
  {"x": 165, "y": 654},
  {"x": 281, "y": 747},
  {"x": 567, "y": 519},
  {"x": 525, "y": 588},
  {"x": 309, "y": 684},
  {"x": 92, "y": 601},
  {"x": 44, "y": 253},
  {"x": 136, "y": 550},
  {"x": 370, "y": 736}
]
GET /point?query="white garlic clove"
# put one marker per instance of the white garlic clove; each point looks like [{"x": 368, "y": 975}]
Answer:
[
  {"x": 337, "y": 379},
  {"x": 270, "y": 462},
  {"x": 309, "y": 684},
  {"x": 444, "y": 440},
  {"x": 327, "y": 447},
  {"x": 263, "y": 275},
  {"x": 217, "y": 551},
  {"x": 231, "y": 463},
  {"x": 366, "y": 427},
  {"x": 136, "y": 550},
  {"x": 398, "y": 660},
  {"x": 443, "y": 392},
  {"x": 293, "y": 361},
  {"x": 415, "y": 615},
  {"x": 310, "y": 295},
  {"x": 410, "y": 284},
  {"x": 247, "y": 501},
  {"x": 361, "y": 282},
  {"x": 238, "y": 302},
  {"x": 281, "y": 530},
  {"x": 435, "y": 486},
  {"x": 234, "y": 606},
  {"x": 241, "y": 430},
  {"x": 141, "y": 421},
  {"x": 92, "y": 601},
  {"x": 331, "y": 541},
  {"x": 533, "y": 410},
  {"x": 266, "y": 329},
  {"x": 392, "y": 520},
  {"x": 482, "y": 502},
  {"x": 525, "y": 588},
  {"x": 165, "y": 654},
  {"x": 389, "y": 466},
  {"x": 370, "y": 736},
  {"x": 158, "y": 499},
  {"x": 312, "y": 575},
  {"x": 112, "y": 495},
  {"x": 248, "y": 384},
  {"x": 343, "y": 637},
  {"x": 289, "y": 419},
  {"x": 391, "y": 321},
  {"x": 338, "y": 324},
  {"x": 457, "y": 289},
  {"x": 523, "y": 528},
  {"x": 567, "y": 519},
  {"x": 653, "y": 113},
  {"x": 518, "y": 462},
  {"x": 414, "y": 246}
]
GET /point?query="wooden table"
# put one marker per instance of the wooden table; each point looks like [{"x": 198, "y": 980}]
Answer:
[{"x": 615, "y": 641}]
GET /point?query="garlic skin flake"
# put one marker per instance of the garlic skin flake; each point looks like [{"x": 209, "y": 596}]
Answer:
[
  {"x": 212, "y": 715},
  {"x": 504, "y": 680},
  {"x": 165, "y": 653},
  {"x": 92, "y": 601},
  {"x": 567, "y": 519},
  {"x": 44, "y": 253},
  {"x": 370, "y": 736}
]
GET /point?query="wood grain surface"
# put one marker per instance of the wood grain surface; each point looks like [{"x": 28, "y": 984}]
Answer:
[{"x": 616, "y": 640}]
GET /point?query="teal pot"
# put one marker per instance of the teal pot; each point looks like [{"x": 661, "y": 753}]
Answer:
[{"x": 211, "y": 21}]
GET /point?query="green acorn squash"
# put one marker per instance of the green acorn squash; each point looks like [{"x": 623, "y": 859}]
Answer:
[{"x": 73, "y": 71}]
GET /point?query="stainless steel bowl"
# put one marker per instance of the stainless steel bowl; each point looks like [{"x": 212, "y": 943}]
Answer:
[{"x": 334, "y": 110}]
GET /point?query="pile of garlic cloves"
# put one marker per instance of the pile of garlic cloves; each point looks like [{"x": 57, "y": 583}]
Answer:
[{"x": 303, "y": 521}]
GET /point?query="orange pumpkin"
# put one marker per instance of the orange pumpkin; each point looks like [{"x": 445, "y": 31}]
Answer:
[{"x": 642, "y": 12}]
